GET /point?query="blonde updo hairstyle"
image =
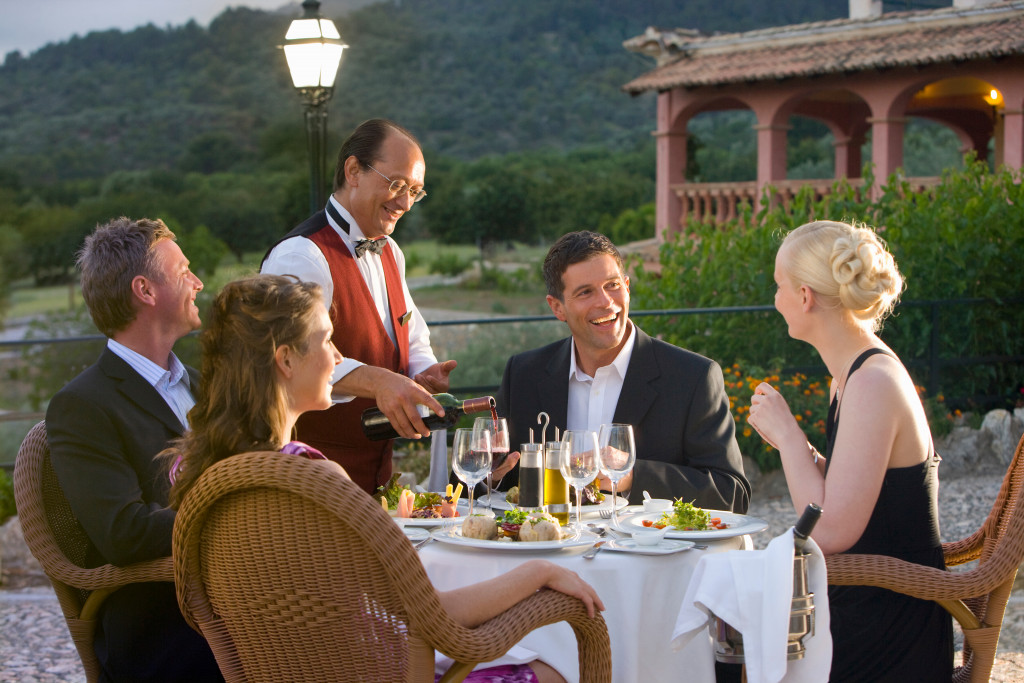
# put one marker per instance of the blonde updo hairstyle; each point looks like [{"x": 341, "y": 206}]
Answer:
[
  {"x": 846, "y": 265},
  {"x": 241, "y": 405}
]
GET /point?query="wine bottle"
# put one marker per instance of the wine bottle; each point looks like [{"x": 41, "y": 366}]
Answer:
[
  {"x": 804, "y": 526},
  {"x": 377, "y": 426}
]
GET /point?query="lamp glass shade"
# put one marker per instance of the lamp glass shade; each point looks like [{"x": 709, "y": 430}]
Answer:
[
  {"x": 314, "y": 58},
  {"x": 313, "y": 64}
]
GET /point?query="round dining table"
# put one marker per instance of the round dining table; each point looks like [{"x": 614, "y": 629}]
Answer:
[{"x": 642, "y": 595}]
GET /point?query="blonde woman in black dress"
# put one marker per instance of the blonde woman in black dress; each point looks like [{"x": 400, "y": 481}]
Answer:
[{"x": 877, "y": 481}]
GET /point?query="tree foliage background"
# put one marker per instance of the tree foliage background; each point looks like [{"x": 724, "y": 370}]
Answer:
[{"x": 519, "y": 109}]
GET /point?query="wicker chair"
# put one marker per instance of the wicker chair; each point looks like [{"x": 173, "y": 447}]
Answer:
[
  {"x": 976, "y": 597},
  {"x": 59, "y": 543},
  {"x": 294, "y": 574}
]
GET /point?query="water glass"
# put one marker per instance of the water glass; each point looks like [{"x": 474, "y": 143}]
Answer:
[
  {"x": 618, "y": 455},
  {"x": 580, "y": 463}
]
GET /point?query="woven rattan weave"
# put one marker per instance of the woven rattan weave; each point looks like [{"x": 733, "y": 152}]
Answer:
[
  {"x": 59, "y": 543},
  {"x": 975, "y": 596},
  {"x": 294, "y": 574}
]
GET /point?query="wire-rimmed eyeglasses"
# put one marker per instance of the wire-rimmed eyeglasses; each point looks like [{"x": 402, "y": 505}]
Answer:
[{"x": 398, "y": 187}]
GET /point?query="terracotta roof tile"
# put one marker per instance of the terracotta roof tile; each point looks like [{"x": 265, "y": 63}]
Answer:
[{"x": 828, "y": 47}]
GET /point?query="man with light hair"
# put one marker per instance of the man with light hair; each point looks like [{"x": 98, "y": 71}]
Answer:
[{"x": 105, "y": 429}]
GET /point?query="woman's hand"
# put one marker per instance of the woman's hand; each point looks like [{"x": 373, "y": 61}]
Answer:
[
  {"x": 771, "y": 417},
  {"x": 565, "y": 581}
]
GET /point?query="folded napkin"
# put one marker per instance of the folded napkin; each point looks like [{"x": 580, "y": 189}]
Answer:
[{"x": 753, "y": 591}]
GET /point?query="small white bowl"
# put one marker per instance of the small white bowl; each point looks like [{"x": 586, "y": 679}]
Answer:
[
  {"x": 648, "y": 536},
  {"x": 657, "y": 504}
]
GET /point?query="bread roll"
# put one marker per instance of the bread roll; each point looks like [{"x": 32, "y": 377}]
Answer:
[
  {"x": 479, "y": 526},
  {"x": 540, "y": 527}
]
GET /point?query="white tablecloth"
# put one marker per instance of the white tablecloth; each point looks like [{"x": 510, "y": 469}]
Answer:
[{"x": 642, "y": 595}]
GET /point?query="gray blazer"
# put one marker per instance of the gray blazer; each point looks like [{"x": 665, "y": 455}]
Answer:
[{"x": 676, "y": 401}]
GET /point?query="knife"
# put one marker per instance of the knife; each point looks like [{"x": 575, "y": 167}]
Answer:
[{"x": 593, "y": 550}]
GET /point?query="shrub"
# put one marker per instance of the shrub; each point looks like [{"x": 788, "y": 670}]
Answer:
[
  {"x": 807, "y": 398},
  {"x": 7, "y": 509},
  {"x": 961, "y": 239},
  {"x": 449, "y": 264}
]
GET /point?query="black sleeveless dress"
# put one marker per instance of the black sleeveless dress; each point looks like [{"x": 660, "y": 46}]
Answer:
[{"x": 877, "y": 634}]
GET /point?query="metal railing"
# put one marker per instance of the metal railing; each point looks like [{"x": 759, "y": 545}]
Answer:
[{"x": 933, "y": 362}]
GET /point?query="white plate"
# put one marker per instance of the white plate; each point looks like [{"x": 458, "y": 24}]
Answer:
[
  {"x": 739, "y": 525},
  {"x": 499, "y": 503},
  {"x": 453, "y": 535},
  {"x": 663, "y": 547},
  {"x": 414, "y": 534}
]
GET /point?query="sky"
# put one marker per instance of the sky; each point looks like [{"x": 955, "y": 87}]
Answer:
[{"x": 28, "y": 25}]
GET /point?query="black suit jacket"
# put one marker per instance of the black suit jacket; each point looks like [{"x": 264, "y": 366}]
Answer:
[
  {"x": 676, "y": 401},
  {"x": 104, "y": 429}
]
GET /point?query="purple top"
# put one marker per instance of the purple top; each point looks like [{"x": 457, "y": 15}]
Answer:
[
  {"x": 290, "y": 448},
  {"x": 299, "y": 448}
]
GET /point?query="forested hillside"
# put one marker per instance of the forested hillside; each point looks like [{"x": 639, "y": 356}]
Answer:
[
  {"x": 518, "y": 105},
  {"x": 470, "y": 78}
]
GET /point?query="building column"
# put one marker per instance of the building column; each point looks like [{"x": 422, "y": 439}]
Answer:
[
  {"x": 1013, "y": 139},
  {"x": 848, "y": 157},
  {"x": 771, "y": 154},
  {"x": 886, "y": 149},
  {"x": 670, "y": 147}
]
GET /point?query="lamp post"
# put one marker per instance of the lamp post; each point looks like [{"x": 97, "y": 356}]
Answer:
[{"x": 313, "y": 50}]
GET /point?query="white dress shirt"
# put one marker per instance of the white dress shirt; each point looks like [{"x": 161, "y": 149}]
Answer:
[
  {"x": 300, "y": 257},
  {"x": 592, "y": 400},
  {"x": 172, "y": 384}
]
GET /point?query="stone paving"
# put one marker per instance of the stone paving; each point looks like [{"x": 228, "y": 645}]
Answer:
[{"x": 35, "y": 646}]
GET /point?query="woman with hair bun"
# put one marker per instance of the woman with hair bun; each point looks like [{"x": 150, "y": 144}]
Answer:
[{"x": 877, "y": 482}]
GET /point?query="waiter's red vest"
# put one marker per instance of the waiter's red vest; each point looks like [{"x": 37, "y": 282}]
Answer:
[{"x": 359, "y": 334}]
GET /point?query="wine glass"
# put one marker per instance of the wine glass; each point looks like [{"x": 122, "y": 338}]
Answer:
[
  {"x": 471, "y": 458},
  {"x": 580, "y": 463},
  {"x": 498, "y": 430},
  {"x": 618, "y": 455}
]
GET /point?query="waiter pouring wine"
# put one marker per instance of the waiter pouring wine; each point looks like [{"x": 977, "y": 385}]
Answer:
[{"x": 348, "y": 250}]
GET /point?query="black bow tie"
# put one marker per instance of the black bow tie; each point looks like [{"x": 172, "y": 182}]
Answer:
[{"x": 376, "y": 246}]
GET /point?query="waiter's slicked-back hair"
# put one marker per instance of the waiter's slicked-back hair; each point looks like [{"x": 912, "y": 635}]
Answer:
[{"x": 364, "y": 144}]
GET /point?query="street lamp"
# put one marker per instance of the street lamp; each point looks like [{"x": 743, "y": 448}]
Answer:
[{"x": 313, "y": 50}]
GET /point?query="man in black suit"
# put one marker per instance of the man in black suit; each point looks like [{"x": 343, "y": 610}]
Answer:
[
  {"x": 106, "y": 427},
  {"x": 609, "y": 370}
]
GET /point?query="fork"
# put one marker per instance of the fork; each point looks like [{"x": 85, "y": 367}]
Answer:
[{"x": 422, "y": 543}]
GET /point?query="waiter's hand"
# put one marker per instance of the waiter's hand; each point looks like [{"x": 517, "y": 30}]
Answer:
[
  {"x": 435, "y": 378},
  {"x": 396, "y": 395}
]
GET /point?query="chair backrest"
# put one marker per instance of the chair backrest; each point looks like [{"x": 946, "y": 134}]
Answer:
[
  {"x": 293, "y": 573},
  {"x": 58, "y": 541},
  {"x": 1007, "y": 512},
  {"x": 54, "y": 536}
]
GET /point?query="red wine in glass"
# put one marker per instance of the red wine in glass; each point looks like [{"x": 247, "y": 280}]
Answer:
[{"x": 498, "y": 457}]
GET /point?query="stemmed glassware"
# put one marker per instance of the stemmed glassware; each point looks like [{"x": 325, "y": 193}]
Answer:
[
  {"x": 471, "y": 458},
  {"x": 580, "y": 463},
  {"x": 618, "y": 455},
  {"x": 498, "y": 431}
]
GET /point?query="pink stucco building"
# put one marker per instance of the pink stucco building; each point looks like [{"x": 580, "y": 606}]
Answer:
[{"x": 962, "y": 66}]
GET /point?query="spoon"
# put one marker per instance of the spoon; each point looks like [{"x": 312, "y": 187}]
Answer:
[{"x": 647, "y": 496}]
